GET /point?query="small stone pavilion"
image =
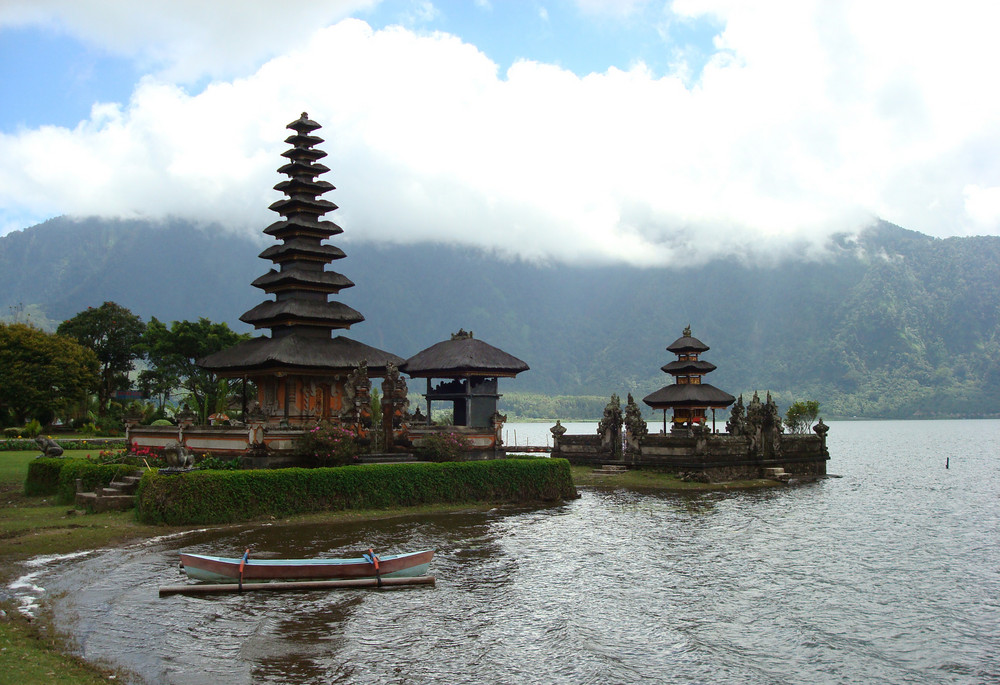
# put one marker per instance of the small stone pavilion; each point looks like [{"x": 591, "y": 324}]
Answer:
[
  {"x": 303, "y": 373},
  {"x": 753, "y": 446},
  {"x": 689, "y": 396},
  {"x": 469, "y": 370}
]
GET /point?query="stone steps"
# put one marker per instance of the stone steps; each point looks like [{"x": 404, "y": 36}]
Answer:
[
  {"x": 118, "y": 495},
  {"x": 777, "y": 473},
  {"x": 610, "y": 470}
]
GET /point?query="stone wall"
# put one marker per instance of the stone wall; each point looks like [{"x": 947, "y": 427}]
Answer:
[
  {"x": 582, "y": 449},
  {"x": 721, "y": 457}
]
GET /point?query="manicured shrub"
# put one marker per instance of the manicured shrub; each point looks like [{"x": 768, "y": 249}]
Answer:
[
  {"x": 43, "y": 477},
  {"x": 200, "y": 497}
]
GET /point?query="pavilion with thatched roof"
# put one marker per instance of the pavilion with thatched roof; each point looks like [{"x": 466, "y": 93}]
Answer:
[{"x": 471, "y": 369}]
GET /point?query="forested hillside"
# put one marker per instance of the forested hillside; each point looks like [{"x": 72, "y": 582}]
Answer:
[{"x": 890, "y": 324}]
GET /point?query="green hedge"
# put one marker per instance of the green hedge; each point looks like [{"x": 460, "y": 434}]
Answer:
[
  {"x": 58, "y": 477},
  {"x": 96, "y": 444},
  {"x": 201, "y": 497}
]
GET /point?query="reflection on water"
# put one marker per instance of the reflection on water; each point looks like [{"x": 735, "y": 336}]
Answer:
[{"x": 888, "y": 574}]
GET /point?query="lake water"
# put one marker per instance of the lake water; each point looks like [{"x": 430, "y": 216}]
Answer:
[{"x": 887, "y": 574}]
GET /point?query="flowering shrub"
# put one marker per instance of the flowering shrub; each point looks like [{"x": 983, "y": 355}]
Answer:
[
  {"x": 444, "y": 446},
  {"x": 134, "y": 456},
  {"x": 328, "y": 445}
]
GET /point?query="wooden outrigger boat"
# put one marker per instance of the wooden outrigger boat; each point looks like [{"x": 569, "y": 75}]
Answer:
[{"x": 365, "y": 565}]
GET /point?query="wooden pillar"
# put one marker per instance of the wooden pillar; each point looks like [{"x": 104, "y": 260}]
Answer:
[
  {"x": 468, "y": 402},
  {"x": 429, "y": 421}
]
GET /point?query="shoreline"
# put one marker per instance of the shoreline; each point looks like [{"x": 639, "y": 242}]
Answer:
[{"x": 34, "y": 528}]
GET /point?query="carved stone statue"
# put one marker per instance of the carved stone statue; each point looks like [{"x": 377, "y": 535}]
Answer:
[
  {"x": 394, "y": 406},
  {"x": 49, "y": 447},
  {"x": 177, "y": 456},
  {"x": 357, "y": 407},
  {"x": 610, "y": 427},
  {"x": 754, "y": 425},
  {"x": 772, "y": 427},
  {"x": 737, "y": 423},
  {"x": 635, "y": 426},
  {"x": 497, "y": 420},
  {"x": 821, "y": 429}
]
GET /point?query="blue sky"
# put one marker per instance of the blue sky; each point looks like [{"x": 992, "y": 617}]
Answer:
[{"x": 649, "y": 132}]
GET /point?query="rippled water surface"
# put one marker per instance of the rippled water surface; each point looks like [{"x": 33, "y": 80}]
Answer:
[{"x": 888, "y": 574}]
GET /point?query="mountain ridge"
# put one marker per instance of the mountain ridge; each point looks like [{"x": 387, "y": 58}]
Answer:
[{"x": 891, "y": 323}]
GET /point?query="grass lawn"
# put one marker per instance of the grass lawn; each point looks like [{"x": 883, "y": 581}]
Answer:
[{"x": 33, "y": 651}]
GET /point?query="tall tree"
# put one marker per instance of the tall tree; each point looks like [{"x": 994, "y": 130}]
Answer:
[
  {"x": 42, "y": 375},
  {"x": 174, "y": 352},
  {"x": 114, "y": 334}
]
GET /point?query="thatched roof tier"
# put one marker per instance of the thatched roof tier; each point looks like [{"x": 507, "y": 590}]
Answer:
[
  {"x": 304, "y": 139},
  {"x": 295, "y": 277},
  {"x": 303, "y": 226},
  {"x": 302, "y": 248},
  {"x": 299, "y": 204},
  {"x": 295, "y": 353},
  {"x": 461, "y": 357},
  {"x": 303, "y": 125},
  {"x": 302, "y": 312},
  {"x": 686, "y": 343},
  {"x": 689, "y": 395},
  {"x": 694, "y": 366},
  {"x": 303, "y": 154},
  {"x": 303, "y": 169},
  {"x": 295, "y": 186}
]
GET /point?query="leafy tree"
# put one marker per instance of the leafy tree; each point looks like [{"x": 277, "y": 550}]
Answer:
[
  {"x": 801, "y": 415},
  {"x": 174, "y": 352},
  {"x": 42, "y": 374},
  {"x": 113, "y": 333}
]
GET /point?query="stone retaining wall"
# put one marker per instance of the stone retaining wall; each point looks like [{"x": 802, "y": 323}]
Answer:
[{"x": 721, "y": 457}]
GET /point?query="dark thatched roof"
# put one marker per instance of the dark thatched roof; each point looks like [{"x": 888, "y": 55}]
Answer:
[
  {"x": 677, "y": 367},
  {"x": 298, "y": 353},
  {"x": 462, "y": 356},
  {"x": 302, "y": 248},
  {"x": 275, "y": 313},
  {"x": 324, "y": 281},
  {"x": 687, "y": 343},
  {"x": 689, "y": 395}
]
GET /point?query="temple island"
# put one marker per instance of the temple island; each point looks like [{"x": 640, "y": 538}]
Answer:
[
  {"x": 305, "y": 372},
  {"x": 754, "y": 444}
]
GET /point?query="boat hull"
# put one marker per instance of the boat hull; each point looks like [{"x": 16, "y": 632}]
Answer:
[{"x": 226, "y": 569}]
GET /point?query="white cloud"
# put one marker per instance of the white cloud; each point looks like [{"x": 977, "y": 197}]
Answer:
[
  {"x": 184, "y": 39},
  {"x": 807, "y": 120}
]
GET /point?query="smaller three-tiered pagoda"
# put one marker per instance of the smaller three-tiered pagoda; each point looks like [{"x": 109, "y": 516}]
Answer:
[{"x": 689, "y": 396}]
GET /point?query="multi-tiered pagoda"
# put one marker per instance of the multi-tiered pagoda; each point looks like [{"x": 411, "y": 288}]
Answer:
[
  {"x": 301, "y": 370},
  {"x": 689, "y": 396}
]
